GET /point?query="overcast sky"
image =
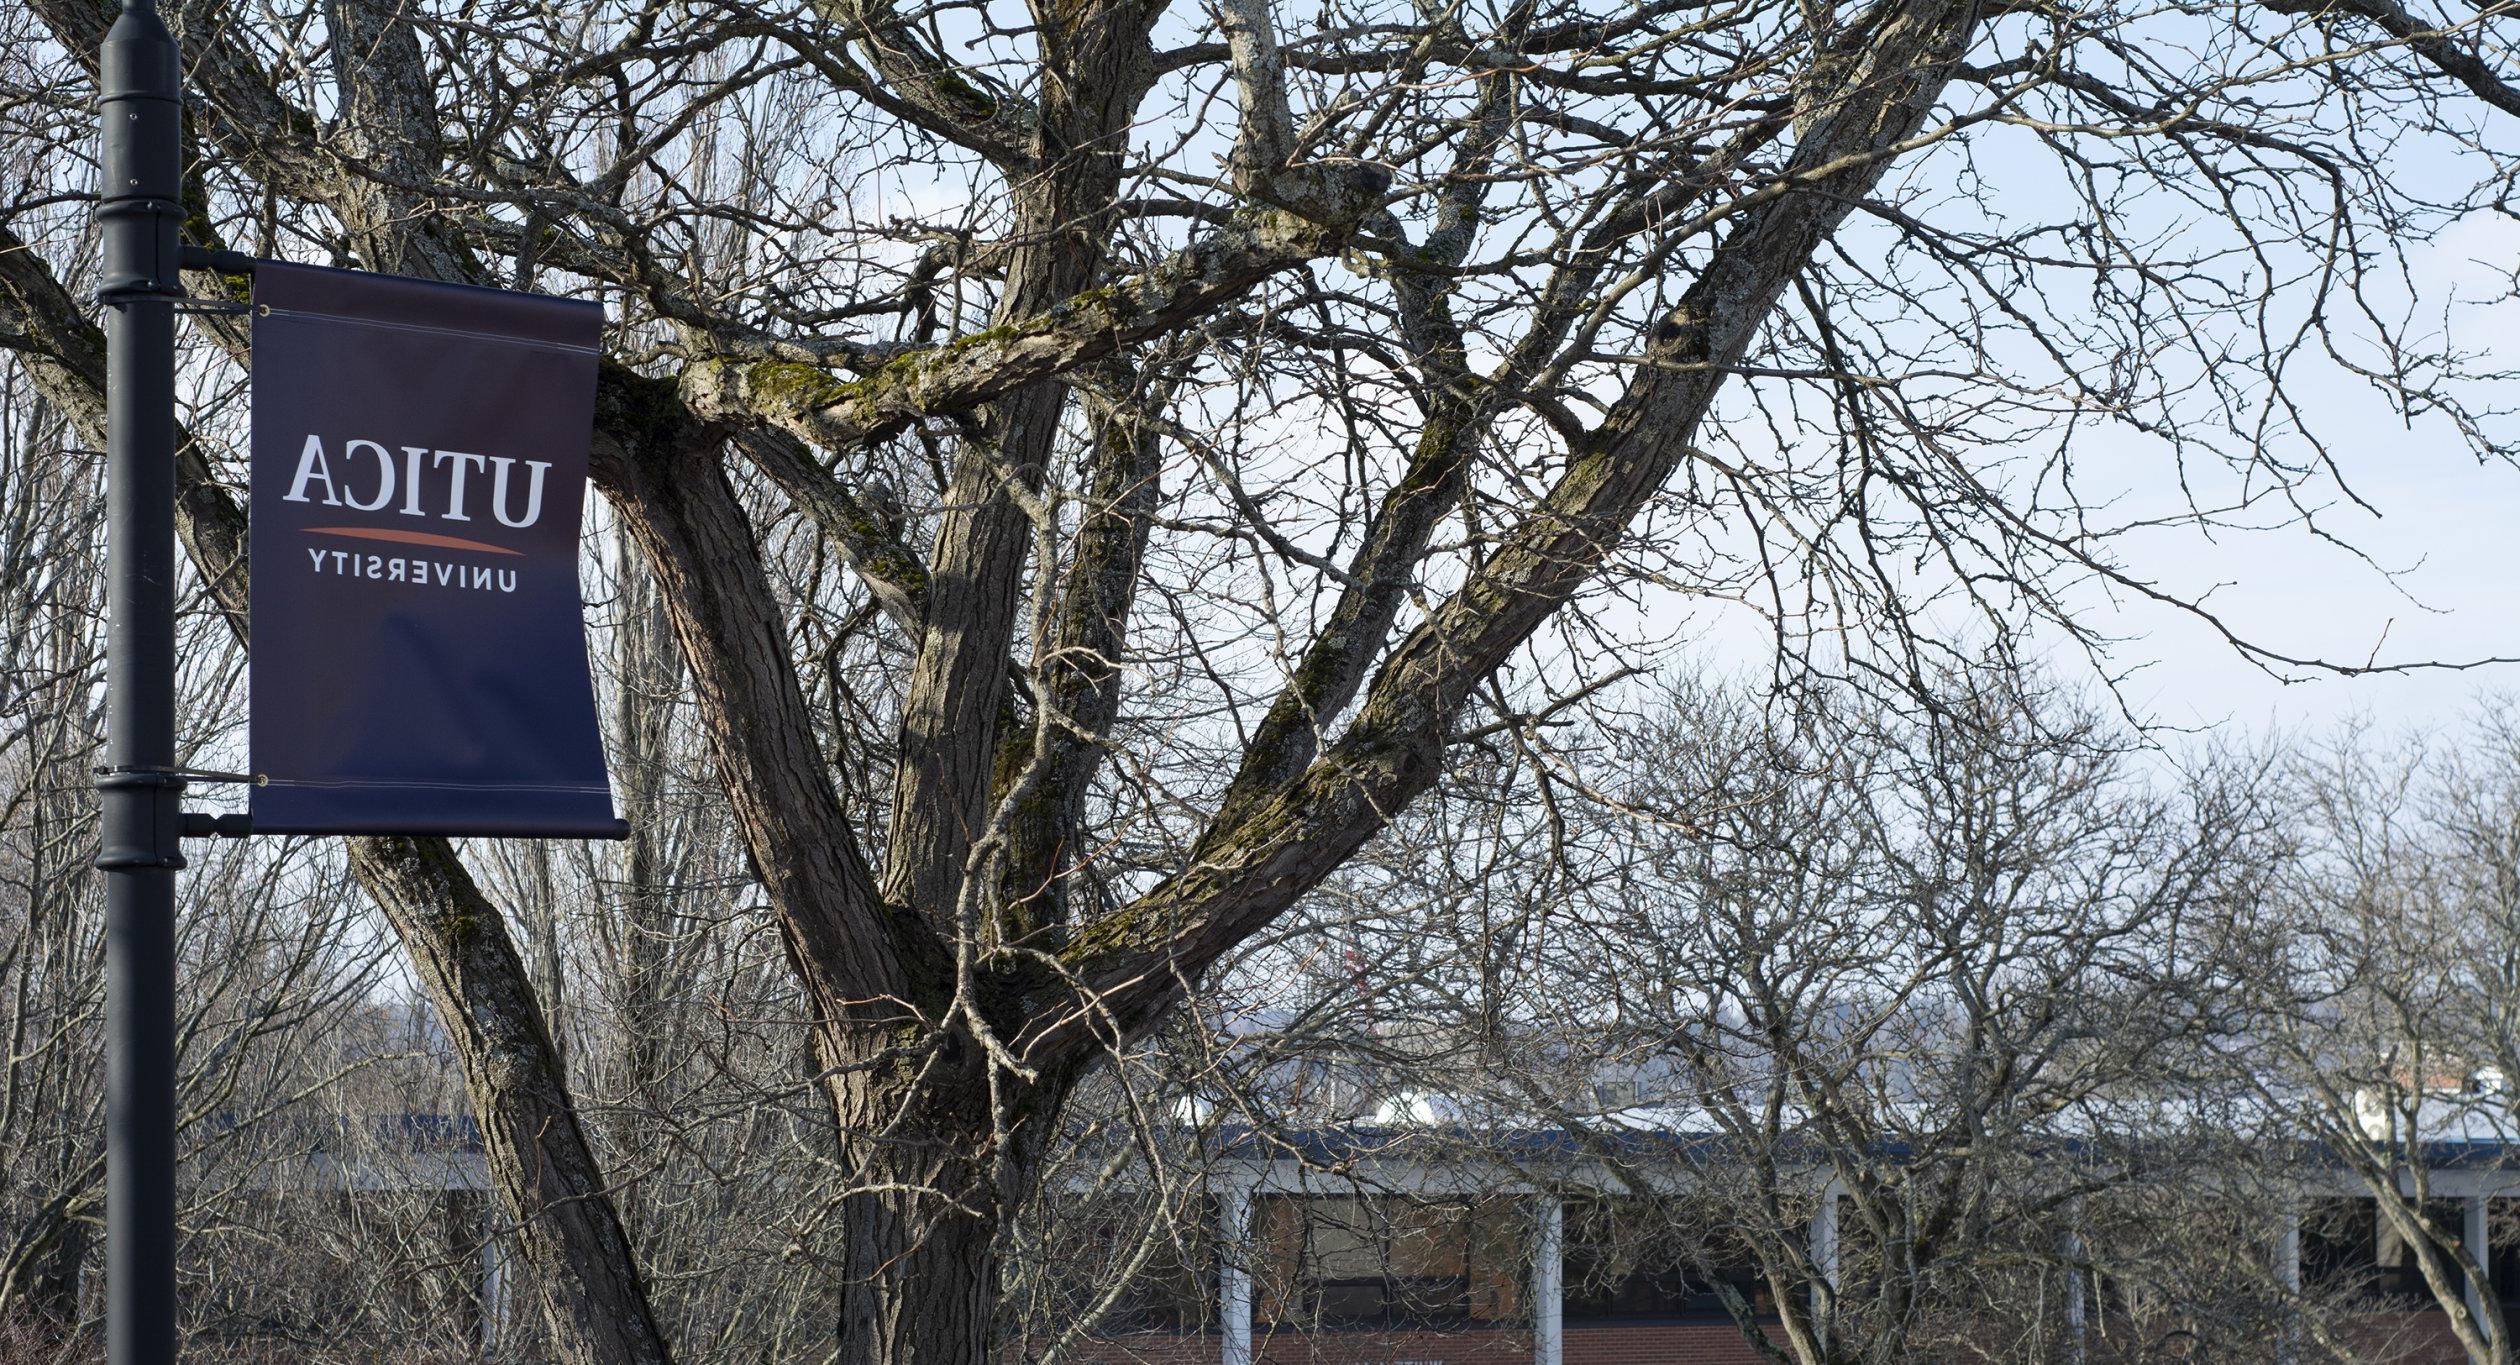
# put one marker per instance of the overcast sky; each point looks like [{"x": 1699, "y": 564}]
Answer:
[{"x": 2448, "y": 526}]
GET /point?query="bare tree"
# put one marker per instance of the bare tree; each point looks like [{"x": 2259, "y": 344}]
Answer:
[
  {"x": 2385, "y": 965},
  {"x": 1925, "y": 1012},
  {"x": 1100, "y": 463}
]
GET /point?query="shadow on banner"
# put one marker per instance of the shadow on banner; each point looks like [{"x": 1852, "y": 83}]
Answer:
[{"x": 418, "y": 657}]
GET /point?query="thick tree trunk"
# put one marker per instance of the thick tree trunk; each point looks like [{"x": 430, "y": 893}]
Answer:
[
  {"x": 925, "y": 1267},
  {"x": 934, "y": 1173},
  {"x": 942, "y": 1144},
  {"x": 55, "y": 1293},
  {"x": 547, "y": 1180},
  {"x": 39, "y": 1287},
  {"x": 646, "y": 680}
]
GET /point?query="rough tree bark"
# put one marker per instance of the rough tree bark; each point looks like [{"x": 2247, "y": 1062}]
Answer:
[
  {"x": 962, "y": 958},
  {"x": 942, "y": 1127}
]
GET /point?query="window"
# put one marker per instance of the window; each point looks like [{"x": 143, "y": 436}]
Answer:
[
  {"x": 1615, "y": 1095},
  {"x": 2339, "y": 1238},
  {"x": 1627, "y": 1261},
  {"x": 1388, "y": 1261},
  {"x": 1173, "y": 1289},
  {"x": 2346, "y": 1246}
]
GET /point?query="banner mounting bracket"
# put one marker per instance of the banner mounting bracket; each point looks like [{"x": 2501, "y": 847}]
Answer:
[{"x": 140, "y": 775}]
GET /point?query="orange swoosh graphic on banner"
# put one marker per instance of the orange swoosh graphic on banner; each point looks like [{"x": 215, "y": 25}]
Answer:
[{"x": 410, "y": 538}]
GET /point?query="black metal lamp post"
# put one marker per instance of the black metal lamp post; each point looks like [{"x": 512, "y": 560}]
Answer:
[{"x": 139, "y": 98}]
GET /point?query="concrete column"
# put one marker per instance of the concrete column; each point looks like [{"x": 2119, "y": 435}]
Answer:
[
  {"x": 1548, "y": 1285},
  {"x": 2390, "y": 1252},
  {"x": 2288, "y": 1248},
  {"x": 1233, "y": 1272},
  {"x": 2076, "y": 1323},
  {"x": 1824, "y": 1257},
  {"x": 2480, "y": 1248},
  {"x": 495, "y": 1305},
  {"x": 2288, "y": 1274}
]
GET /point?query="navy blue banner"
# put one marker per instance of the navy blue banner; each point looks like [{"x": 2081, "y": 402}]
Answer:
[{"x": 418, "y": 642}]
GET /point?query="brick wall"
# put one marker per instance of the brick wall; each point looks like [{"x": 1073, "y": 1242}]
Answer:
[
  {"x": 1473, "y": 1346},
  {"x": 1658, "y": 1343},
  {"x": 2408, "y": 1338},
  {"x": 1643, "y": 1343},
  {"x": 2398, "y": 1338}
]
